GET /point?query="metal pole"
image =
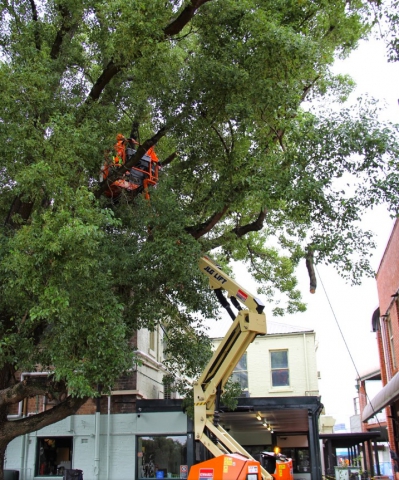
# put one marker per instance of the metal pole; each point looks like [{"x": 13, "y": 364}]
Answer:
[
  {"x": 314, "y": 447},
  {"x": 377, "y": 461}
]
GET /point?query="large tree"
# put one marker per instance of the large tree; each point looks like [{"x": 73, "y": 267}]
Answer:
[{"x": 248, "y": 173}]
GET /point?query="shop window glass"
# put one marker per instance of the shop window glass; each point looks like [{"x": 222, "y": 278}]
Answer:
[
  {"x": 54, "y": 455},
  {"x": 300, "y": 459},
  {"x": 161, "y": 456},
  {"x": 279, "y": 368}
]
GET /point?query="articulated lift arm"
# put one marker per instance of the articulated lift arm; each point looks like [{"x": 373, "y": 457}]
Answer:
[{"x": 250, "y": 322}]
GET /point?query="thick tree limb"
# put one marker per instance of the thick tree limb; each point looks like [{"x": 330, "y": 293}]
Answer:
[
  {"x": 200, "y": 230},
  {"x": 309, "y": 265},
  {"x": 168, "y": 159},
  {"x": 12, "y": 429},
  {"x": 254, "y": 226},
  {"x": 29, "y": 388},
  {"x": 65, "y": 28},
  {"x": 107, "y": 75},
  {"x": 237, "y": 232},
  {"x": 184, "y": 17},
  {"x": 173, "y": 28},
  {"x": 18, "y": 207},
  {"x": 38, "y": 42}
]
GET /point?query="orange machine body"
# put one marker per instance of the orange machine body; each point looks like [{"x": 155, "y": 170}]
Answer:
[
  {"x": 283, "y": 470},
  {"x": 142, "y": 175},
  {"x": 232, "y": 466},
  {"x": 279, "y": 466}
]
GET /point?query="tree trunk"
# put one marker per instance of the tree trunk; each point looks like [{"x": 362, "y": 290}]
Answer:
[
  {"x": 28, "y": 424},
  {"x": 3, "y": 441},
  {"x": 2, "y": 455}
]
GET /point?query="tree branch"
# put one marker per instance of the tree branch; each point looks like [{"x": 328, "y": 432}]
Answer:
[
  {"x": 18, "y": 207},
  {"x": 168, "y": 159},
  {"x": 12, "y": 429},
  {"x": 307, "y": 89},
  {"x": 65, "y": 28},
  {"x": 173, "y": 28},
  {"x": 183, "y": 18},
  {"x": 31, "y": 386},
  {"x": 238, "y": 232},
  {"x": 221, "y": 139},
  {"x": 254, "y": 226},
  {"x": 107, "y": 75},
  {"x": 310, "y": 267},
  {"x": 200, "y": 230},
  {"x": 38, "y": 42}
]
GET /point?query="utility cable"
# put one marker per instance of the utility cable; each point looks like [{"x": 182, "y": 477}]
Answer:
[{"x": 346, "y": 345}]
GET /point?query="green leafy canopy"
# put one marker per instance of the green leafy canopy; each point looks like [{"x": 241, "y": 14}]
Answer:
[{"x": 247, "y": 175}]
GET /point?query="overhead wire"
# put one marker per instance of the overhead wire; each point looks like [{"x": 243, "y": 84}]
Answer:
[{"x": 345, "y": 342}]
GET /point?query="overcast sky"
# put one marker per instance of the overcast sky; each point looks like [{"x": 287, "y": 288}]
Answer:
[
  {"x": 343, "y": 308},
  {"x": 353, "y": 306}
]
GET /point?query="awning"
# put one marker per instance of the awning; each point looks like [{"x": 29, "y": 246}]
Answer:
[{"x": 386, "y": 396}]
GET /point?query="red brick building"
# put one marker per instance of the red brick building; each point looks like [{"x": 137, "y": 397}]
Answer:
[{"x": 385, "y": 323}]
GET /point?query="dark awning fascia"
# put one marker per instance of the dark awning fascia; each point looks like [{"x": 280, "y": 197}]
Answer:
[{"x": 386, "y": 396}]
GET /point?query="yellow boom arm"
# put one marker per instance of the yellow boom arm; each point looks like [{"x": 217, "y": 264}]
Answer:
[{"x": 249, "y": 323}]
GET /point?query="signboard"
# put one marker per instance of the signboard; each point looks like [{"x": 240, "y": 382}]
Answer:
[
  {"x": 206, "y": 474},
  {"x": 183, "y": 471}
]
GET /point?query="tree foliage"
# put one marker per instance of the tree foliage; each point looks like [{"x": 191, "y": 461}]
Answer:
[
  {"x": 249, "y": 174},
  {"x": 388, "y": 14}
]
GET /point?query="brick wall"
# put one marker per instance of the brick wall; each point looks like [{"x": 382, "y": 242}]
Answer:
[
  {"x": 387, "y": 287},
  {"x": 388, "y": 272},
  {"x": 119, "y": 403}
]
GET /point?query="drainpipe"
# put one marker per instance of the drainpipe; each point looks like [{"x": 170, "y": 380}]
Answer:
[
  {"x": 97, "y": 438},
  {"x": 306, "y": 362},
  {"x": 24, "y": 440},
  {"x": 108, "y": 432}
]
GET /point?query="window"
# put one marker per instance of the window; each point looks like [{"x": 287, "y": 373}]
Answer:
[
  {"x": 388, "y": 346},
  {"x": 240, "y": 373},
  {"x": 300, "y": 459},
  {"x": 169, "y": 389},
  {"x": 152, "y": 341},
  {"x": 161, "y": 456},
  {"x": 279, "y": 368},
  {"x": 391, "y": 343},
  {"x": 54, "y": 455}
]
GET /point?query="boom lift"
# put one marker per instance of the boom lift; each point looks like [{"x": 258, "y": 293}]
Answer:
[
  {"x": 231, "y": 461},
  {"x": 139, "y": 177}
]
